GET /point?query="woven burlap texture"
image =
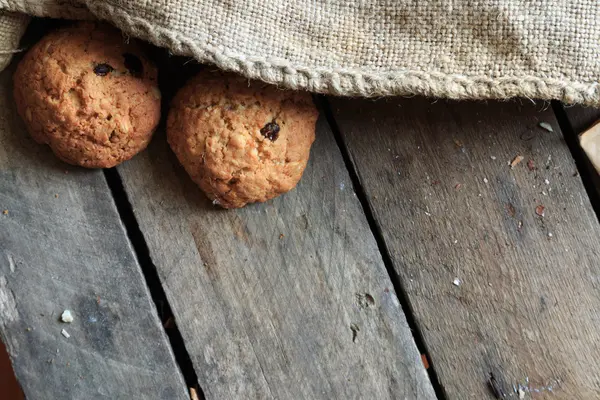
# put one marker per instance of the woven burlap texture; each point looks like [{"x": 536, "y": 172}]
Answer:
[
  {"x": 461, "y": 49},
  {"x": 12, "y": 27}
]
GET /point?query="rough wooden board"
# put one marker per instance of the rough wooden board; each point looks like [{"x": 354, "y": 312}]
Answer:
[
  {"x": 267, "y": 297},
  {"x": 449, "y": 206},
  {"x": 62, "y": 246}
]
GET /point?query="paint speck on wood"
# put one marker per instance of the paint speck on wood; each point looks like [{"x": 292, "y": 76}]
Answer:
[{"x": 540, "y": 210}]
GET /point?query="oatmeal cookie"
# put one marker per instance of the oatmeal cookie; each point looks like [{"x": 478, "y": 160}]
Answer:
[
  {"x": 240, "y": 141},
  {"x": 88, "y": 94}
]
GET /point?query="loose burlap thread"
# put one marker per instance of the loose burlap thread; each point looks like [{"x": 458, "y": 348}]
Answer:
[{"x": 460, "y": 49}]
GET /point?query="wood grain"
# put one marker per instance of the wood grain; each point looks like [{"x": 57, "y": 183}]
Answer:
[
  {"x": 525, "y": 306},
  {"x": 287, "y": 299},
  {"x": 62, "y": 246}
]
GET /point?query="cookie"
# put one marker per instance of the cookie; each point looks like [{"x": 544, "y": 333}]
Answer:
[
  {"x": 240, "y": 141},
  {"x": 89, "y": 95}
]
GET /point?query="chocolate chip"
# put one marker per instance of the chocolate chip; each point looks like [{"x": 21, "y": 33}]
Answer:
[
  {"x": 133, "y": 64},
  {"x": 270, "y": 131},
  {"x": 103, "y": 69}
]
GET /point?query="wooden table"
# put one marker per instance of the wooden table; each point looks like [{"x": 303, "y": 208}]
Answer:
[{"x": 411, "y": 262}]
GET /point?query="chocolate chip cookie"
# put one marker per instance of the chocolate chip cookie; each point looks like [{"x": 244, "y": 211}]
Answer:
[
  {"x": 240, "y": 141},
  {"x": 89, "y": 94}
]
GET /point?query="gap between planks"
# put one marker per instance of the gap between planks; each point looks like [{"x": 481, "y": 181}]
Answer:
[
  {"x": 381, "y": 245},
  {"x": 573, "y": 121},
  {"x": 271, "y": 315},
  {"x": 150, "y": 274},
  {"x": 63, "y": 246}
]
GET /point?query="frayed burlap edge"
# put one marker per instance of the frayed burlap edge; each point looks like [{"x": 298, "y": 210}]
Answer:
[{"x": 354, "y": 82}]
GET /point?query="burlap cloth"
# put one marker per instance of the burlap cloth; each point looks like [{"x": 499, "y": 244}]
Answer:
[{"x": 464, "y": 49}]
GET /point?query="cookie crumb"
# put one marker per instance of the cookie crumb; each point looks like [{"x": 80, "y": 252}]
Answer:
[
  {"x": 515, "y": 161},
  {"x": 281, "y": 236},
  {"x": 5, "y": 212},
  {"x": 546, "y": 126},
  {"x": 66, "y": 317}
]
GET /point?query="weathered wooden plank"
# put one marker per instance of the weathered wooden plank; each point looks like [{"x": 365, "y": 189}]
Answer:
[
  {"x": 288, "y": 299},
  {"x": 62, "y": 246},
  {"x": 449, "y": 206}
]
